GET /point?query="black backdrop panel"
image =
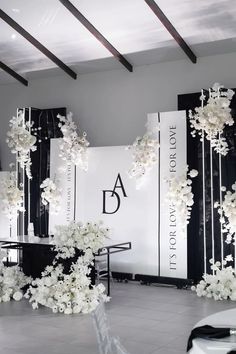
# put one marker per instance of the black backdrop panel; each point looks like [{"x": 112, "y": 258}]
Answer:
[
  {"x": 194, "y": 159},
  {"x": 47, "y": 121}
]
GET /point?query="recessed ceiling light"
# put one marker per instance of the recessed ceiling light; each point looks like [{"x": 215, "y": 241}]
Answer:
[
  {"x": 16, "y": 10},
  {"x": 13, "y": 36}
]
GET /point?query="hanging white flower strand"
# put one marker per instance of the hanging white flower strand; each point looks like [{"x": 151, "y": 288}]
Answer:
[
  {"x": 21, "y": 141},
  {"x": 73, "y": 148},
  {"x": 12, "y": 197},
  {"x": 180, "y": 195},
  {"x": 51, "y": 195},
  {"x": 227, "y": 213},
  {"x": 212, "y": 118},
  {"x": 144, "y": 153}
]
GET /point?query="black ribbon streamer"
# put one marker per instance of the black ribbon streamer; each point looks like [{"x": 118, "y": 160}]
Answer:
[{"x": 207, "y": 332}]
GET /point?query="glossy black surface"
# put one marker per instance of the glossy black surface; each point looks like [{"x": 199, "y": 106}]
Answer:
[{"x": 194, "y": 159}]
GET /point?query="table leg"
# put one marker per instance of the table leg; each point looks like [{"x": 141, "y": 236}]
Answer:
[
  {"x": 108, "y": 271},
  {"x": 7, "y": 258}
]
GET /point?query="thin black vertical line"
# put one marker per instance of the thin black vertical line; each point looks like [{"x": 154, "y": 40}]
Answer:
[
  {"x": 53, "y": 125},
  {"x": 29, "y": 184},
  {"x": 159, "y": 197},
  {"x": 40, "y": 176},
  {"x": 18, "y": 185},
  {"x": 47, "y": 175},
  {"x": 23, "y": 181},
  {"x": 75, "y": 194}
]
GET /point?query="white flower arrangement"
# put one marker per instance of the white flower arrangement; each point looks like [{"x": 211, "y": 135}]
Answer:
[
  {"x": 12, "y": 197},
  {"x": 73, "y": 148},
  {"x": 227, "y": 211},
  {"x": 67, "y": 293},
  {"x": 212, "y": 118},
  {"x": 73, "y": 292},
  {"x": 85, "y": 237},
  {"x": 144, "y": 154},
  {"x": 21, "y": 141},
  {"x": 51, "y": 195},
  {"x": 221, "y": 285},
  {"x": 180, "y": 195},
  {"x": 12, "y": 280}
]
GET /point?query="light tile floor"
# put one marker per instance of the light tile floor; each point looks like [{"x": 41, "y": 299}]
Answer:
[{"x": 148, "y": 320}]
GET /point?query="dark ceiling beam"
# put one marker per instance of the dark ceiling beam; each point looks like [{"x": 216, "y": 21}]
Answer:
[
  {"x": 13, "y": 73},
  {"x": 36, "y": 44},
  {"x": 171, "y": 29},
  {"x": 74, "y": 11}
]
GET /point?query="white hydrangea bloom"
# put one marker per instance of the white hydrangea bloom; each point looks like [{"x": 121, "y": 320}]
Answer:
[{"x": 213, "y": 117}]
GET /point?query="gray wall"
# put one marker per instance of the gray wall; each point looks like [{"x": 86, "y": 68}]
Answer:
[{"x": 112, "y": 106}]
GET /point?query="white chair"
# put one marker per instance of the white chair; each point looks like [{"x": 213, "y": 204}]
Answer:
[
  {"x": 101, "y": 268},
  {"x": 107, "y": 343}
]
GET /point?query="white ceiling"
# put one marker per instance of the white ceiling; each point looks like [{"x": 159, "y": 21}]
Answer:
[{"x": 208, "y": 26}]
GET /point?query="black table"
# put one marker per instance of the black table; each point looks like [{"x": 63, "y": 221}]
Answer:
[{"x": 34, "y": 243}]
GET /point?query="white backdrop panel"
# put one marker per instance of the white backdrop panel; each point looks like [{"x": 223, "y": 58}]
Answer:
[
  {"x": 136, "y": 218},
  {"x": 173, "y": 160},
  {"x": 105, "y": 192}
]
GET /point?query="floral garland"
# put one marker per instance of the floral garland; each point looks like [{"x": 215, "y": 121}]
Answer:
[
  {"x": 12, "y": 280},
  {"x": 212, "y": 118},
  {"x": 21, "y": 141},
  {"x": 51, "y": 195},
  {"x": 72, "y": 292},
  {"x": 12, "y": 197},
  {"x": 73, "y": 148},
  {"x": 144, "y": 153},
  {"x": 221, "y": 285},
  {"x": 227, "y": 211},
  {"x": 180, "y": 194}
]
